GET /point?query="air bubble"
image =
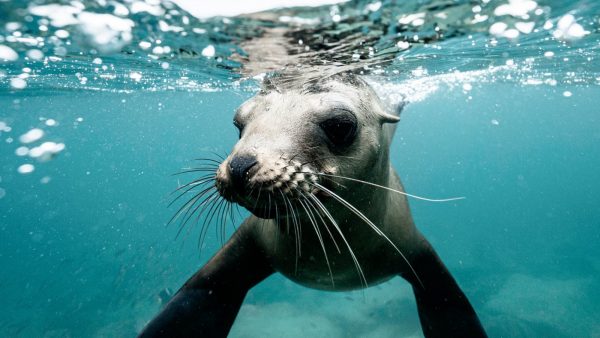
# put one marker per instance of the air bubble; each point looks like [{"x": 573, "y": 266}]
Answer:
[
  {"x": 18, "y": 83},
  {"x": 209, "y": 51},
  {"x": 136, "y": 76},
  {"x": 35, "y": 54},
  {"x": 8, "y": 54},
  {"x": 21, "y": 151},
  {"x": 403, "y": 45},
  {"x": 26, "y": 168},
  {"x": 31, "y": 136},
  {"x": 61, "y": 34}
]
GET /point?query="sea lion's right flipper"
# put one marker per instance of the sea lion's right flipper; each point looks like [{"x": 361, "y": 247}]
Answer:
[
  {"x": 208, "y": 303},
  {"x": 444, "y": 310}
]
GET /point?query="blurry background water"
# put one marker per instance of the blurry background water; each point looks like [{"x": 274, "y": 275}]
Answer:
[{"x": 101, "y": 101}]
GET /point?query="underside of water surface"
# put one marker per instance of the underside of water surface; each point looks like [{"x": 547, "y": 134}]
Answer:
[{"x": 101, "y": 102}]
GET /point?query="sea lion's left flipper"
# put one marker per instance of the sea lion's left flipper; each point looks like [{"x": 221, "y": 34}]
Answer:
[
  {"x": 444, "y": 309},
  {"x": 208, "y": 303}
]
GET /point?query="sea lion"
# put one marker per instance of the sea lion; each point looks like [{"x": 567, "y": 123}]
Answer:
[{"x": 328, "y": 211}]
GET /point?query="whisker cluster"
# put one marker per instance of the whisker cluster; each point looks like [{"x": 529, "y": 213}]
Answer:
[
  {"x": 204, "y": 204},
  {"x": 289, "y": 211}
]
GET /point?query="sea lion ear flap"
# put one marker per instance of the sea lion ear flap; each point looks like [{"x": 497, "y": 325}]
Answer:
[
  {"x": 393, "y": 118},
  {"x": 389, "y": 118}
]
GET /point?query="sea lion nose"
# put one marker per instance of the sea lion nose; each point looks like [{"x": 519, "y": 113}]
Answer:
[{"x": 239, "y": 167}]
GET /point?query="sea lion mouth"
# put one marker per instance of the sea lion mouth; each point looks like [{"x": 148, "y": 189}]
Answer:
[{"x": 273, "y": 202}]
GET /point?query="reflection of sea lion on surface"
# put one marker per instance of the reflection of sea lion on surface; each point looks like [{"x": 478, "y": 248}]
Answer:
[{"x": 306, "y": 150}]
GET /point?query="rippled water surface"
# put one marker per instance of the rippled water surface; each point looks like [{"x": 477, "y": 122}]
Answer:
[{"x": 102, "y": 101}]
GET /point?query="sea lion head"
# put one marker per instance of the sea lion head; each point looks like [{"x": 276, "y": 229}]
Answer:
[{"x": 295, "y": 133}]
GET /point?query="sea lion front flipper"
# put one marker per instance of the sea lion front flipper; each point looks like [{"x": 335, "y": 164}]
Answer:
[
  {"x": 208, "y": 303},
  {"x": 444, "y": 310}
]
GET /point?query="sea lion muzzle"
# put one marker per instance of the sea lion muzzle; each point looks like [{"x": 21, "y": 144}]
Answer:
[{"x": 239, "y": 167}]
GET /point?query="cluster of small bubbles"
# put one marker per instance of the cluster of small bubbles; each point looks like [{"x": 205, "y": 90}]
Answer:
[
  {"x": 135, "y": 76},
  {"x": 52, "y": 33},
  {"x": 43, "y": 152},
  {"x": 46, "y": 151},
  {"x": 567, "y": 29},
  {"x": 4, "y": 127},
  {"x": 82, "y": 79},
  {"x": 159, "y": 50},
  {"x": 520, "y": 19},
  {"x": 415, "y": 20},
  {"x": 334, "y": 13},
  {"x": 478, "y": 17},
  {"x": 419, "y": 71}
]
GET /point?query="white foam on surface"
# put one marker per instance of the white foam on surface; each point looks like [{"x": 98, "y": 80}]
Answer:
[
  {"x": 419, "y": 87},
  {"x": 206, "y": 8}
]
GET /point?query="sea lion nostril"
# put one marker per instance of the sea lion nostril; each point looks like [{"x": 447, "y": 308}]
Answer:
[{"x": 239, "y": 167}]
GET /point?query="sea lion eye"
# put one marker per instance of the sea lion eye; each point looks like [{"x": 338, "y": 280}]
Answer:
[
  {"x": 239, "y": 127},
  {"x": 340, "y": 130}
]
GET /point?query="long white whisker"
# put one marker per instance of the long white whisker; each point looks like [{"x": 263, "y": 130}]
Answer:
[
  {"x": 324, "y": 224},
  {"x": 361, "y": 274},
  {"x": 394, "y": 190},
  {"x": 296, "y": 231},
  {"x": 368, "y": 221},
  {"x": 319, "y": 236}
]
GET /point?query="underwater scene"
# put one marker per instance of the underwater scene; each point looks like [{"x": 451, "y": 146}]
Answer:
[{"x": 106, "y": 105}]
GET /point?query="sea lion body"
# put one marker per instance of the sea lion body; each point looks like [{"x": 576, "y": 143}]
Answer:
[
  {"x": 379, "y": 261},
  {"x": 304, "y": 148},
  {"x": 282, "y": 125}
]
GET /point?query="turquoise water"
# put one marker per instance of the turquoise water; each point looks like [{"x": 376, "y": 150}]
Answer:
[{"x": 84, "y": 246}]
